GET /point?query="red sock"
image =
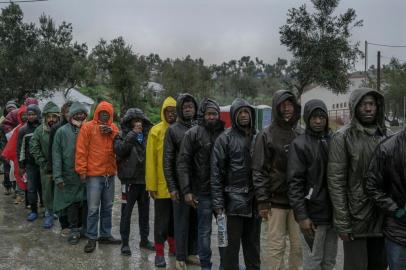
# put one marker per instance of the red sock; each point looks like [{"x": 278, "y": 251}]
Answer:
[
  {"x": 159, "y": 249},
  {"x": 172, "y": 247}
]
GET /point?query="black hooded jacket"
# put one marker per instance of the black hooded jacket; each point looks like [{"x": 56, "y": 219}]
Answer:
[
  {"x": 173, "y": 138},
  {"x": 386, "y": 184},
  {"x": 307, "y": 171},
  {"x": 195, "y": 151},
  {"x": 24, "y": 155},
  {"x": 231, "y": 179},
  {"x": 129, "y": 151},
  {"x": 270, "y": 156}
]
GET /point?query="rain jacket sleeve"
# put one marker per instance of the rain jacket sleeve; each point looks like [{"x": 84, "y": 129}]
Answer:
[
  {"x": 219, "y": 172},
  {"x": 82, "y": 150},
  {"x": 296, "y": 177},
  {"x": 337, "y": 172},
  {"x": 36, "y": 149},
  {"x": 170, "y": 161},
  {"x": 57, "y": 157},
  {"x": 375, "y": 183},
  {"x": 123, "y": 146},
  {"x": 151, "y": 178},
  {"x": 185, "y": 162},
  {"x": 260, "y": 171}
]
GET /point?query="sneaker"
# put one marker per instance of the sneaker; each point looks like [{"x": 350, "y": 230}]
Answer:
[
  {"x": 242, "y": 267},
  {"x": 90, "y": 246},
  {"x": 48, "y": 222},
  {"x": 179, "y": 265},
  {"x": 147, "y": 245},
  {"x": 74, "y": 238},
  {"x": 125, "y": 250},
  {"x": 109, "y": 240},
  {"x": 32, "y": 216},
  {"x": 160, "y": 261},
  {"x": 65, "y": 232},
  {"x": 193, "y": 259}
]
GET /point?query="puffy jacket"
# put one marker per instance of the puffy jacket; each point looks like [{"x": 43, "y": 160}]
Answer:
[
  {"x": 173, "y": 138},
  {"x": 129, "y": 151},
  {"x": 25, "y": 134},
  {"x": 10, "y": 122},
  {"x": 386, "y": 184},
  {"x": 270, "y": 157},
  {"x": 195, "y": 151},
  {"x": 94, "y": 150},
  {"x": 231, "y": 179},
  {"x": 307, "y": 171},
  {"x": 351, "y": 149},
  {"x": 154, "y": 172}
]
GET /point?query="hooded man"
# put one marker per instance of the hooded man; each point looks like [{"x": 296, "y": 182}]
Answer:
[
  {"x": 70, "y": 192},
  {"x": 194, "y": 172},
  {"x": 96, "y": 165},
  {"x": 269, "y": 164},
  {"x": 232, "y": 189},
  {"x": 26, "y": 161},
  {"x": 184, "y": 217},
  {"x": 39, "y": 148},
  {"x": 129, "y": 147},
  {"x": 357, "y": 220},
  {"x": 156, "y": 183},
  {"x": 308, "y": 192},
  {"x": 386, "y": 186}
]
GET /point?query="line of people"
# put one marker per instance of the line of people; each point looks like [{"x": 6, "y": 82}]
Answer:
[{"x": 312, "y": 186}]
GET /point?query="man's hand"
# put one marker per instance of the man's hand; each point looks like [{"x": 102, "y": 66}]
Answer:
[
  {"x": 61, "y": 185},
  {"x": 175, "y": 196},
  {"x": 346, "y": 237},
  {"x": 307, "y": 227},
  {"x": 83, "y": 178},
  {"x": 191, "y": 200},
  {"x": 106, "y": 129},
  {"x": 219, "y": 211},
  {"x": 153, "y": 194},
  {"x": 264, "y": 213}
]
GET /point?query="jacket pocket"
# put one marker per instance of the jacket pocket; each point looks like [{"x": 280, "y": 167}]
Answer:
[{"x": 238, "y": 200}]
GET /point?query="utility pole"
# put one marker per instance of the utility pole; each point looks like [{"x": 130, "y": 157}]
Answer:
[
  {"x": 366, "y": 60},
  {"x": 378, "y": 75}
]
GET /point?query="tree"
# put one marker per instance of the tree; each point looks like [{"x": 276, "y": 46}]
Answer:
[
  {"x": 321, "y": 46},
  {"x": 394, "y": 75}
]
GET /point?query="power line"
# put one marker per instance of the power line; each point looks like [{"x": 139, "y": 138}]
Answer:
[
  {"x": 21, "y": 1},
  {"x": 386, "y": 45}
]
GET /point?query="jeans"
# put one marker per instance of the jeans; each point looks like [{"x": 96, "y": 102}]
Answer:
[
  {"x": 281, "y": 225},
  {"x": 245, "y": 231},
  {"x": 204, "y": 217},
  {"x": 100, "y": 196},
  {"x": 324, "y": 252},
  {"x": 396, "y": 255},
  {"x": 365, "y": 254},
  {"x": 135, "y": 193},
  {"x": 34, "y": 187}
]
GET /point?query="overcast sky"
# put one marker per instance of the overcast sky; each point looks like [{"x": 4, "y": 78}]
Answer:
[{"x": 216, "y": 30}]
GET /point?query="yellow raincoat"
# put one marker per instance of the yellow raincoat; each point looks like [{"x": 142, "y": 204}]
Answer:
[{"x": 154, "y": 172}]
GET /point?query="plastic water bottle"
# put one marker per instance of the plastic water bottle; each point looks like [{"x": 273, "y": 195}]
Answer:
[{"x": 222, "y": 230}]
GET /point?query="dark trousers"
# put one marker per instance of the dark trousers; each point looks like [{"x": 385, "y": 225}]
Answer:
[
  {"x": 135, "y": 193},
  {"x": 163, "y": 226},
  {"x": 365, "y": 254},
  {"x": 63, "y": 220},
  {"x": 185, "y": 218},
  {"x": 33, "y": 186},
  {"x": 77, "y": 216},
  {"x": 6, "y": 169},
  {"x": 396, "y": 255},
  {"x": 245, "y": 231}
]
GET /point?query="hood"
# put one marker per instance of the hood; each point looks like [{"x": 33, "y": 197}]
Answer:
[
  {"x": 11, "y": 103},
  {"x": 75, "y": 108},
  {"x": 179, "y": 103},
  {"x": 20, "y": 112},
  {"x": 279, "y": 97},
  {"x": 131, "y": 114},
  {"x": 237, "y": 104},
  {"x": 310, "y": 107},
  {"x": 50, "y": 107},
  {"x": 34, "y": 108},
  {"x": 104, "y": 106},
  {"x": 168, "y": 102},
  {"x": 204, "y": 104},
  {"x": 356, "y": 97},
  {"x": 30, "y": 101}
]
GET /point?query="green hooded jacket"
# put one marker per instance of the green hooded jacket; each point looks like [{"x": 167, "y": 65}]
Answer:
[
  {"x": 39, "y": 144},
  {"x": 63, "y": 164}
]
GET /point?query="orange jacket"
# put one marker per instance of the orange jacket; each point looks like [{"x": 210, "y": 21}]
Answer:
[{"x": 94, "y": 150}]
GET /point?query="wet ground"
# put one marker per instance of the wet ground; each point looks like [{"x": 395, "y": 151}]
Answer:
[{"x": 25, "y": 245}]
